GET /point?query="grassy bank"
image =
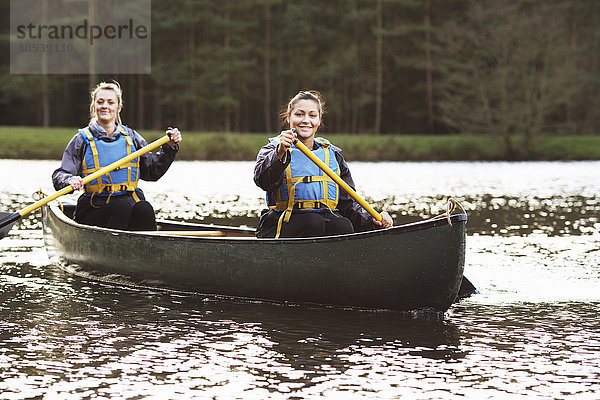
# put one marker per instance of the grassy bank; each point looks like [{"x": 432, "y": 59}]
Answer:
[{"x": 40, "y": 143}]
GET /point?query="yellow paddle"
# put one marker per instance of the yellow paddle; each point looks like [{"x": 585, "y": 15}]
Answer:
[
  {"x": 8, "y": 220},
  {"x": 337, "y": 179}
]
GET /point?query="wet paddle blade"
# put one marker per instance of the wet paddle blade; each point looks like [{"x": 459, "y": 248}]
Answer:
[{"x": 7, "y": 220}]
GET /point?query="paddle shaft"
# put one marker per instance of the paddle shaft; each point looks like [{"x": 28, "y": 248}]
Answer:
[
  {"x": 67, "y": 189},
  {"x": 337, "y": 179}
]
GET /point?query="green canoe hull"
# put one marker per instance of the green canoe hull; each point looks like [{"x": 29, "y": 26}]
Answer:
[{"x": 409, "y": 267}]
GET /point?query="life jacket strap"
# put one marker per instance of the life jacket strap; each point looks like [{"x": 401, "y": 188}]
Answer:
[
  {"x": 308, "y": 179},
  {"x": 110, "y": 188},
  {"x": 306, "y": 205},
  {"x": 94, "y": 149},
  {"x": 285, "y": 216}
]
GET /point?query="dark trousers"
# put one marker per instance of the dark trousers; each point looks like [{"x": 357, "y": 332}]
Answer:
[
  {"x": 304, "y": 224},
  {"x": 121, "y": 212}
]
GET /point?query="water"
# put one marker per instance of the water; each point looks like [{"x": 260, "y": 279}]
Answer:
[{"x": 533, "y": 250}]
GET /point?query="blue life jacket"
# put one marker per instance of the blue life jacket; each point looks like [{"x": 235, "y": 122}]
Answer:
[
  {"x": 305, "y": 186},
  {"x": 99, "y": 154}
]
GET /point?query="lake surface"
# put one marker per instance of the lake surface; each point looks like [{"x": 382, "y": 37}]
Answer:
[{"x": 533, "y": 251}]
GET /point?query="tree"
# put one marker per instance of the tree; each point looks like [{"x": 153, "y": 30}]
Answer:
[{"x": 507, "y": 70}]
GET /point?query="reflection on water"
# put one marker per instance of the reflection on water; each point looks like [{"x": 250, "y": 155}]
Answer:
[
  {"x": 556, "y": 215},
  {"x": 535, "y": 268},
  {"x": 533, "y": 252},
  {"x": 547, "y": 350}
]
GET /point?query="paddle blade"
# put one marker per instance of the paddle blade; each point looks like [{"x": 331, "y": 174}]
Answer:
[
  {"x": 467, "y": 289},
  {"x": 7, "y": 220}
]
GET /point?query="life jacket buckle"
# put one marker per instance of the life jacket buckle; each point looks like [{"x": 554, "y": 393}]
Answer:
[{"x": 309, "y": 205}]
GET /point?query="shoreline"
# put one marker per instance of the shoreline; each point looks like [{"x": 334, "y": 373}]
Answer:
[{"x": 49, "y": 143}]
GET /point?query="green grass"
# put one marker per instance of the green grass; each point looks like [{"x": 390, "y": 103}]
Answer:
[{"x": 49, "y": 143}]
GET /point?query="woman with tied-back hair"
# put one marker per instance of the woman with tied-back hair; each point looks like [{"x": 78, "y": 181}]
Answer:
[
  {"x": 303, "y": 201},
  {"x": 114, "y": 200}
]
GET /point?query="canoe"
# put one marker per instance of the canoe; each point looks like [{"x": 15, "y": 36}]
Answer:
[{"x": 408, "y": 267}]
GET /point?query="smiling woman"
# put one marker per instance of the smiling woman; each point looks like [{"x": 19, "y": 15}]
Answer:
[
  {"x": 113, "y": 200},
  {"x": 303, "y": 200}
]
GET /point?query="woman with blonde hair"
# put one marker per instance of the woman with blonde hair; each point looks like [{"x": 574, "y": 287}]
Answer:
[
  {"x": 303, "y": 201},
  {"x": 113, "y": 200}
]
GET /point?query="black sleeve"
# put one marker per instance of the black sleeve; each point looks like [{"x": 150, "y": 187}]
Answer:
[
  {"x": 71, "y": 163},
  {"x": 269, "y": 169}
]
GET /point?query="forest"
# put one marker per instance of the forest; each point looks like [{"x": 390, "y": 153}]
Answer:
[{"x": 520, "y": 67}]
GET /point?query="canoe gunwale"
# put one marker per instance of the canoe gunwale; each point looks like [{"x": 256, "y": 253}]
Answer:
[{"x": 395, "y": 230}]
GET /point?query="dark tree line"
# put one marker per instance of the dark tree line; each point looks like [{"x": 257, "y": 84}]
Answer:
[{"x": 524, "y": 67}]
